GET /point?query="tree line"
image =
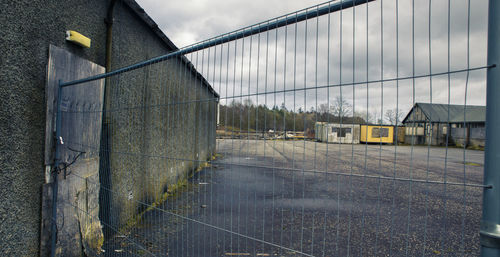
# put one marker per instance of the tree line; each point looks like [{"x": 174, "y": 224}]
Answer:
[{"x": 247, "y": 116}]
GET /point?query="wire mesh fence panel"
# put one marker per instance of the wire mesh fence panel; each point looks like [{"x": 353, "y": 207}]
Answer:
[{"x": 347, "y": 128}]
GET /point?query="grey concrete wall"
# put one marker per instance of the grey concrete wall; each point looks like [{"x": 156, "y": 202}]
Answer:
[
  {"x": 28, "y": 28},
  {"x": 478, "y": 133},
  {"x": 477, "y": 137},
  {"x": 474, "y": 137},
  {"x": 415, "y": 140},
  {"x": 458, "y": 137},
  {"x": 161, "y": 124},
  {"x": 161, "y": 128}
]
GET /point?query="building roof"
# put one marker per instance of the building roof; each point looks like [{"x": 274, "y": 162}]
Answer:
[
  {"x": 139, "y": 11},
  {"x": 439, "y": 113}
]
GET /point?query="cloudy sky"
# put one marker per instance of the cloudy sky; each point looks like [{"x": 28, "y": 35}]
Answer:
[{"x": 378, "y": 41}]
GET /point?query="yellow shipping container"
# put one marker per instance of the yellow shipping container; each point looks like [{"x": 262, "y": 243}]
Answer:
[{"x": 377, "y": 134}]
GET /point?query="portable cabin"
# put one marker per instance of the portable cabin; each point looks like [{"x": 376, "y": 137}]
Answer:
[
  {"x": 377, "y": 134},
  {"x": 337, "y": 133}
]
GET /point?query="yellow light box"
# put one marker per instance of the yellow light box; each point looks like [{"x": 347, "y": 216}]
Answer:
[{"x": 77, "y": 38}]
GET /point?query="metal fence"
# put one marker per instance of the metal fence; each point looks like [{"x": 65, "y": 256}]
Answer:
[{"x": 266, "y": 186}]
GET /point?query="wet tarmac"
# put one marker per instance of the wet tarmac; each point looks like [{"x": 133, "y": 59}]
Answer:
[{"x": 302, "y": 198}]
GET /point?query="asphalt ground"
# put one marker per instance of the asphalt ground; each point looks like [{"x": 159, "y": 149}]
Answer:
[{"x": 300, "y": 198}]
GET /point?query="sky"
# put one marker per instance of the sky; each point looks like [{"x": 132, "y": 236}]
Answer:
[{"x": 383, "y": 40}]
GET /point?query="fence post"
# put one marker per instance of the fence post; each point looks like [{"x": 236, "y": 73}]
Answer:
[{"x": 490, "y": 223}]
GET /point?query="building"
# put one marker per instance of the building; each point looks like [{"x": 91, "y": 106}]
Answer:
[
  {"x": 337, "y": 133},
  {"x": 377, "y": 134},
  {"x": 29, "y": 28},
  {"x": 430, "y": 124}
]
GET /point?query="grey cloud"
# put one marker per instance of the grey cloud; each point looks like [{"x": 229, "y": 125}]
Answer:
[{"x": 187, "y": 21}]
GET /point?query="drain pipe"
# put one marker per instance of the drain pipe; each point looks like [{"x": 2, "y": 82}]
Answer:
[
  {"x": 104, "y": 170},
  {"x": 109, "y": 33},
  {"x": 109, "y": 47}
]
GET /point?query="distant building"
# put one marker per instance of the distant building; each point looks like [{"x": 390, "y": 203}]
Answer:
[
  {"x": 337, "y": 133},
  {"x": 430, "y": 124}
]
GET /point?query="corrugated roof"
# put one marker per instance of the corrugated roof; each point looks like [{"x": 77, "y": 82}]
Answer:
[{"x": 439, "y": 112}]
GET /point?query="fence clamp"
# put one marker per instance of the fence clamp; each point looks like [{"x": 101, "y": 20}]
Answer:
[{"x": 490, "y": 234}]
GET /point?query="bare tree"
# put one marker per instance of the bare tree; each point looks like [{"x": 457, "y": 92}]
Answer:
[
  {"x": 394, "y": 116},
  {"x": 323, "y": 108},
  {"x": 340, "y": 107},
  {"x": 323, "y": 112}
]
